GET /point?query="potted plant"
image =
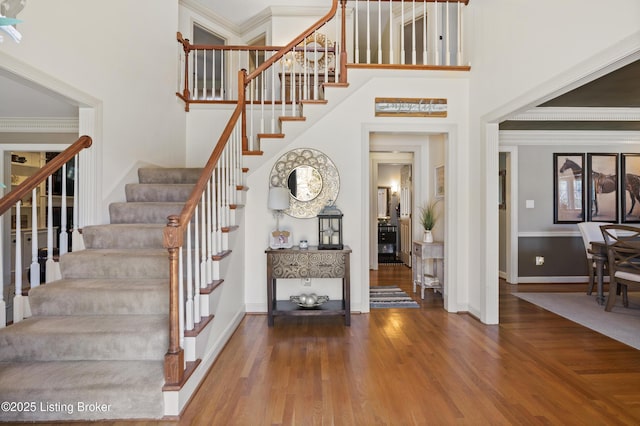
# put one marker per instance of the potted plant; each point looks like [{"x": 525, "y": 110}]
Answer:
[{"x": 428, "y": 219}]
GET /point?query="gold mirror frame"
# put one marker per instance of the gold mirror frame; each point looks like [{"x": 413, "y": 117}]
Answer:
[{"x": 326, "y": 168}]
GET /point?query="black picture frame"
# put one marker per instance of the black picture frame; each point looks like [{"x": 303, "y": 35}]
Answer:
[
  {"x": 630, "y": 187},
  {"x": 602, "y": 187},
  {"x": 568, "y": 187}
]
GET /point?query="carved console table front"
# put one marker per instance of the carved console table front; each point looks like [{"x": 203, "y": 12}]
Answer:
[{"x": 308, "y": 263}]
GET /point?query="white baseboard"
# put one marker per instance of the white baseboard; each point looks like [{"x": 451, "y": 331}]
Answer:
[{"x": 554, "y": 280}]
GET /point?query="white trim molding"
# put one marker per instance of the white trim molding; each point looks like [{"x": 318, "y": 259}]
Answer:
[
  {"x": 567, "y": 137},
  {"x": 578, "y": 114},
  {"x": 546, "y": 234},
  {"x": 39, "y": 124}
]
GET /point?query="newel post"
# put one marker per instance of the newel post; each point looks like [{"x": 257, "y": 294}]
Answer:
[
  {"x": 186, "y": 48},
  {"x": 242, "y": 88},
  {"x": 343, "y": 44},
  {"x": 174, "y": 358}
]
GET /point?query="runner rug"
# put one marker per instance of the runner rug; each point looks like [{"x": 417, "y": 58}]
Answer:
[{"x": 390, "y": 297}]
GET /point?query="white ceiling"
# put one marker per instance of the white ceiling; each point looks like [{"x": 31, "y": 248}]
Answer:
[{"x": 239, "y": 11}]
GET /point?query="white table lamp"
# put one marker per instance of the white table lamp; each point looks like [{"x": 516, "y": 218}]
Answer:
[{"x": 278, "y": 201}]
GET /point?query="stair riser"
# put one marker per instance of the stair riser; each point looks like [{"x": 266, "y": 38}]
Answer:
[
  {"x": 143, "y": 212},
  {"x": 157, "y": 192},
  {"x": 90, "y": 265},
  {"x": 137, "y": 299},
  {"x": 44, "y": 343},
  {"x": 130, "y": 237},
  {"x": 128, "y": 390},
  {"x": 163, "y": 175}
]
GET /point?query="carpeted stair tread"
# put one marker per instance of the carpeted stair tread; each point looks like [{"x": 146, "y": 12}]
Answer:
[
  {"x": 133, "y": 389},
  {"x": 124, "y": 235},
  {"x": 95, "y": 337},
  {"x": 150, "y": 212},
  {"x": 148, "y": 192},
  {"x": 140, "y": 296},
  {"x": 168, "y": 175},
  {"x": 115, "y": 263}
]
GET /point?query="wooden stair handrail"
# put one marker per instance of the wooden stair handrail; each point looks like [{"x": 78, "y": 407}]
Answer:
[
  {"x": 47, "y": 170},
  {"x": 173, "y": 239},
  {"x": 299, "y": 39}
]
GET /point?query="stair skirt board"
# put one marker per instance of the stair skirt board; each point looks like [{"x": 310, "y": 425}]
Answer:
[{"x": 176, "y": 401}]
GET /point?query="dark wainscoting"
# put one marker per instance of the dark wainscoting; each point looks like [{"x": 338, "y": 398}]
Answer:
[{"x": 563, "y": 256}]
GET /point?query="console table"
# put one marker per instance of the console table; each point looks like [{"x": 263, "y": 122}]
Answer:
[
  {"x": 308, "y": 263},
  {"x": 427, "y": 251}
]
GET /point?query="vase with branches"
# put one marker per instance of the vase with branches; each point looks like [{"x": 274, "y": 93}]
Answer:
[{"x": 428, "y": 219}]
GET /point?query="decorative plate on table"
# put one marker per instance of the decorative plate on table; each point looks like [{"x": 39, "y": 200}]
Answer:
[{"x": 309, "y": 300}]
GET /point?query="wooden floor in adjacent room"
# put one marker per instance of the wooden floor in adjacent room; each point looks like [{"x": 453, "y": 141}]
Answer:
[{"x": 420, "y": 367}]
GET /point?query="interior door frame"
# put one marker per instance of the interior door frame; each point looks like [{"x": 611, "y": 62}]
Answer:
[{"x": 377, "y": 158}]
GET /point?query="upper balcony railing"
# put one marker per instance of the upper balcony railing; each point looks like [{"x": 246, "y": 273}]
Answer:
[{"x": 367, "y": 33}]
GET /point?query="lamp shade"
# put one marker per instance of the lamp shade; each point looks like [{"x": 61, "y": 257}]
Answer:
[{"x": 278, "y": 198}]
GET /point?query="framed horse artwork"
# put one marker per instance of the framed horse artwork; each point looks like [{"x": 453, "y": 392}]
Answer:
[
  {"x": 602, "y": 187},
  {"x": 630, "y": 188},
  {"x": 568, "y": 188}
]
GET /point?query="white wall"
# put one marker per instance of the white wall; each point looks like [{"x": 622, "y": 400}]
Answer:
[
  {"x": 127, "y": 64},
  {"x": 343, "y": 135},
  {"x": 522, "y": 53}
]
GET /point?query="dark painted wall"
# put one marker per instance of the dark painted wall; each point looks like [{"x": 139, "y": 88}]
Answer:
[{"x": 563, "y": 256}]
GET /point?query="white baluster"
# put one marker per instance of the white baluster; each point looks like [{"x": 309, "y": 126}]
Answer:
[
  {"x": 447, "y": 36},
  {"x": 204, "y": 74},
  {"x": 357, "y": 38},
  {"x": 402, "y": 50},
  {"x": 181, "y": 307},
  {"x": 273, "y": 99},
  {"x": 391, "y": 57},
  {"x": 18, "y": 303},
  {"x": 459, "y": 55},
  {"x": 189, "y": 283},
  {"x": 219, "y": 207},
  {"x": 64, "y": 237},
  {"x": 195, "y": 93},
  {"x": 50, "y": 264},
  {"x": 283, "y": 94},
  {"x": 413, "y": 34},
  {"x": 196, "y": 267},
  {"x": 425, "y": 59},
  {"x": 214, "y": 55},
  {"x": 223, "y": 92},
  {"x": 77, "y": 242},
  {"x": 437, "y": 36},
  {"x": 210, "y": 223},
  {"x": 35, "y": 267},
  {"x": 368, "y": 33},
  {"x": 203, "y": 245},
  {"x": 380, "y": 32}
]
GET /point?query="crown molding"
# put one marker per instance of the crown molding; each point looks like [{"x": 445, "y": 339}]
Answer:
[
  {"x": 567, "y": 137},
  {"x": 578, "y": 114},
  {"x": 39, "y": 124},
  {"x": 198, "y": 8}
]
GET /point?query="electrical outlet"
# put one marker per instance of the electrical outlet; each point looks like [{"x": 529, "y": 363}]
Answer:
[
  {"x": 539, "y": 260},
  {"x": 306, "y": 281}
]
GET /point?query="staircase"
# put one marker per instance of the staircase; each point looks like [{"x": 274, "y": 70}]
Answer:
[{"x": 94, "y": 346}]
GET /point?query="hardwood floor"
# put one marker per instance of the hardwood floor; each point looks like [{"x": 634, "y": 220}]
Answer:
[{"x": 420, "y": 367}]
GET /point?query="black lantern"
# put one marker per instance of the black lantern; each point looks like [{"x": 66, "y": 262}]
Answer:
[{"x": 330, "y": 228}]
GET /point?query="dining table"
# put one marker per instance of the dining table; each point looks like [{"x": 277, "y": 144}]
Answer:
[{"x": 598, "y": 251}]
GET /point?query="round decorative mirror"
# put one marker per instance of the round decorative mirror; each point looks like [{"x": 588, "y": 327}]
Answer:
[
  {"x": 312, "y": 51},
  {"x": 304, "y": 183},
  {"x": 312, "y": 180}
]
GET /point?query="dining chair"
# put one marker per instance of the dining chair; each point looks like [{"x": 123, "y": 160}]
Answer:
[
  {"x": 590, "y": 231},
  {"x": 623, "y": 252}
]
